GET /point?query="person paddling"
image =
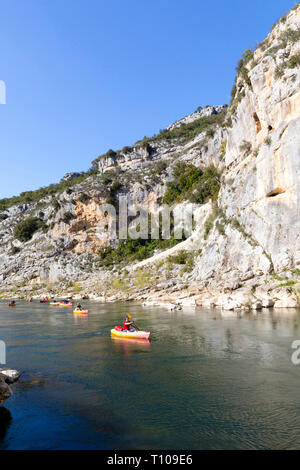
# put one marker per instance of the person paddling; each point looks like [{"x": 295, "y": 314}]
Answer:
[
  {"x": 128, "y": 324},
  {"x": 79, "y": 307}
]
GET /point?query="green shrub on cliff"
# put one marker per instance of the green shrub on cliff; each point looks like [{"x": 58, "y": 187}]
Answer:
[
  {"x": 67, "y": 217},
  {"x": 109, "y": 154},
  {"x": 29, "y": 197},
  {"x": 26, "y": 228},
  {"x": 188, "y": 131},
  {"x": 294, "y": 61},
  {"x": 286, "y": 37},
  {"x": 132, "y": 250},
  {"x": 193, "y": 184},
  {"x": 3, "y": 217},
  {"x": 183, "y": 257},
  {"x": 15, "y": 250},
  {"x": 83, "y": 197}
]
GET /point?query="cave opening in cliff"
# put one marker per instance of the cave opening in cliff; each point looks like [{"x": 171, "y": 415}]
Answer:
[
  {"x": 275, "y": 192},
  {"x": 257, "y": 123}
]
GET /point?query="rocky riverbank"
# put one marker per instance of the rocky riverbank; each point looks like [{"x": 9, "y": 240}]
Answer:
[
  {"x": 7, "y": 377},
  {"x": 250, "y": 293}
]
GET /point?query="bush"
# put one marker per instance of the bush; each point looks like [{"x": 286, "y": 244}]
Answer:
[
  {"x": 207, "y": 187},
  {"x": 179, "y": 258},
  {"x": 15, "y": 250},
  {"x": 115, "y": 186},
  {"x": 110, "y": 154},
  {"x": 189, "y": 131},
  {"x": 288, "y": 36},
  {"x": 126, "y": 149},
  {"x": 184, "y": 178},
  {"x": 193, "y": 184},
  {"x": 233, "y": 93},
  {"x": 210, "y": 133},
  {"x": 208, "y": 226},
  {"x": 222, "y": 149},
  {"x": 221, "y": 228},
  {"x": 242, "y": 69},
  {"x": 238, "y": 98},
  {"x": 131, "y": 250},
  {"x": 268, "y": 141},
  {"x": 83, "y": 197},
  {"x": 77, "y": 287},
  {"x": 245, "y": 75},
  {"x": 109, "y": 177},
  {"x": 67, "y": 217},
  {"x": 210, "y": 222},
  {"x": 51, "y": 190},
  {"x": 3, "y": 217},
  {"x": 236, "y": 224},
  {"x": 160, "y": 167},
  {"x": 111, "y": 200},
  {"x": 245, "y": 147},
  {"x": 228, "y": 122},
  {"x": 243, "y": 72},
  {"x": 279, "y": 71},
  {"x": 183, "y": 257},
  {"x": 26, "y": 228},
  {"x": 55, "y": 204},
  {"x": 294, "y": 61}
]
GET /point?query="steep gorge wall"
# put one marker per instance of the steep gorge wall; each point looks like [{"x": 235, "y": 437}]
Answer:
[
  {"x": 267, "y": 181},
  {"x": 260, "y": 192},
  {"x": 258, "y": 203}
]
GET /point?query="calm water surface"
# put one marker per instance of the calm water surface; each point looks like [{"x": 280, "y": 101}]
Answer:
[{"x": 203, "y": 382}]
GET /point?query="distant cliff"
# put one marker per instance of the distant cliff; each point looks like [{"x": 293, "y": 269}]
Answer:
[{"x": 245, "y": 249}]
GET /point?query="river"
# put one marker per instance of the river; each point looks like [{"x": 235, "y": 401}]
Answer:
[{"x": 203, "y": 381}]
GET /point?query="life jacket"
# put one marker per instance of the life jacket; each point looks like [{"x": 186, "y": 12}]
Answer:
[{"x": 125, "y": 327}]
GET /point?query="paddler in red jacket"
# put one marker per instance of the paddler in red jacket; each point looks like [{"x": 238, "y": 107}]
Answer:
[{"x": 127, "y": 324}]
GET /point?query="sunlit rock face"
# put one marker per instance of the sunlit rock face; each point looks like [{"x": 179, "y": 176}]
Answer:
[
  {"x": 256, "y": 230},
  {"x": 5, "y": 390},
  {"x": 263, "y": 151}
]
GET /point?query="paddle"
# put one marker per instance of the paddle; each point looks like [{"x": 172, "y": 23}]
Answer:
[{"x": 130, "y": 316}]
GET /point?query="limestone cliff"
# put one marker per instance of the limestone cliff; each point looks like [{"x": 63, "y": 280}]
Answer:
[{"x": 245, "y": 249}]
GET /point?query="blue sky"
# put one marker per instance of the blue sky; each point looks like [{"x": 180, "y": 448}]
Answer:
[{"x": 83, "y": 76}]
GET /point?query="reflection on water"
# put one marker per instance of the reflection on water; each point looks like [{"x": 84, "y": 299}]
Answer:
[
  {"x": 30, "y": 380},
  {"x": 80, "y": 317},
  {"x": 205, "y": 380},
  {"x": 129, "y": 346},
  {"x": 5, "y": 420}
]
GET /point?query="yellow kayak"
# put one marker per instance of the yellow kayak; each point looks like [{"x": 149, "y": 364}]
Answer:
[
  {"x": 83, "y": 312},
  {"x": 130, "y": 334}
]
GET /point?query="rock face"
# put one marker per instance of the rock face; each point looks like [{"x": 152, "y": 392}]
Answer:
[
  {"x": 199, "y": 113},
  {"x": 263, "y": 149},
  {"x": 5, "y": 390},
  {"x": 248, "y": 255},
  {"x": 7, "y": 376}
]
